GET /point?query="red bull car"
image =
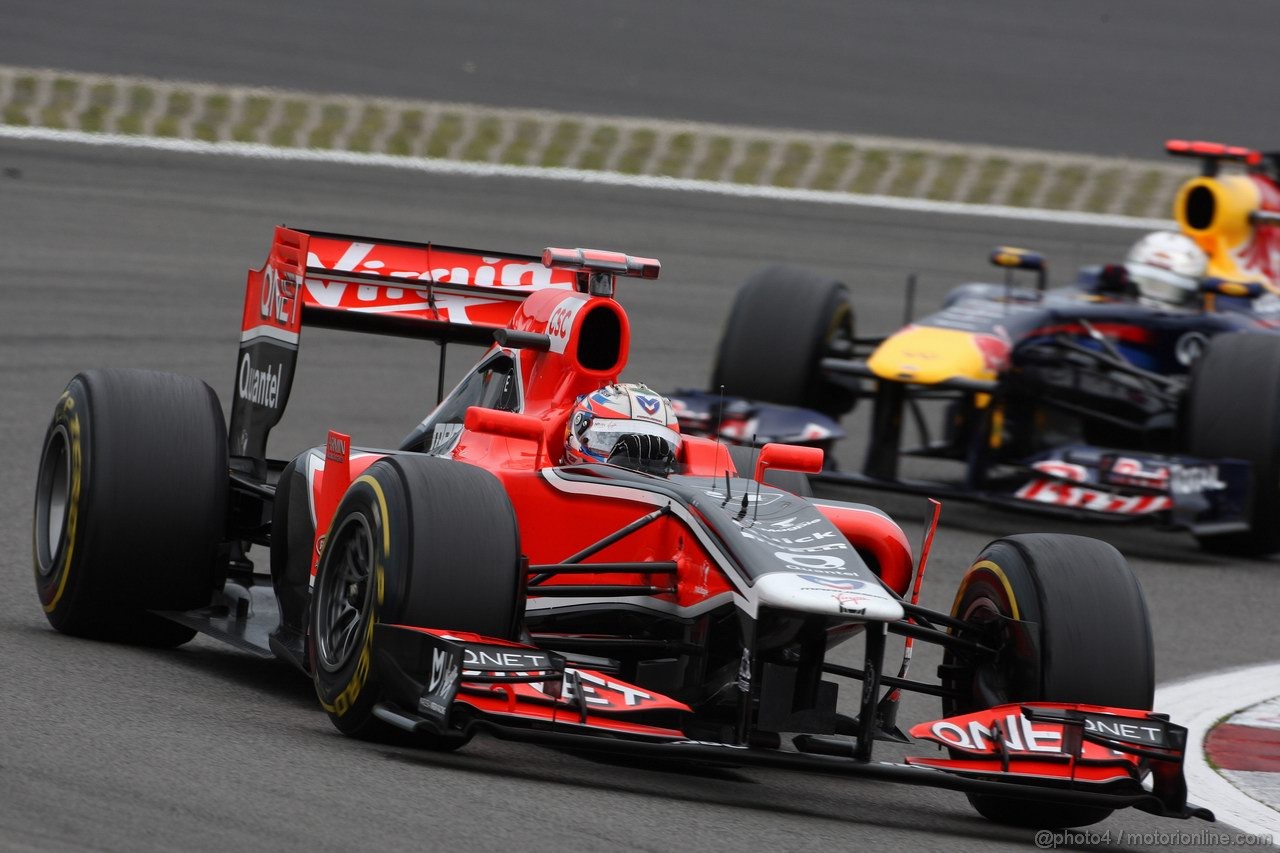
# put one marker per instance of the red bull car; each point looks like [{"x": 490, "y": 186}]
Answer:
[
  {"x": 1096, "y": 399},
  {"x": 468, "y": 582}
]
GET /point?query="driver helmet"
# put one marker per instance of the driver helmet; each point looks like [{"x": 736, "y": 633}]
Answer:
[
  {"x": 623, "y": 424},
  {"x": 1166, "y": 267}
]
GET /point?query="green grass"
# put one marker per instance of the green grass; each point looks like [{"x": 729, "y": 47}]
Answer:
[
  {"x": 714, "y": 159},
  {"x": 946, "y": 181},
  {"x": 138, "y": 103},
  {"x": 1065, "y": 187},
  {"x": 675, "y": 157},
  {"x": 372, "y": 121},
  {"x": 636, "y": 155},
  {"x": 62, "y": 96},
  {"x": 875, "y": 162},
  {"x": 795, "y": 157},
  {"x": 835, "y": 159},
  {"x": 94, "y": 115},
  {"x": 448, "y": 130},
  {"x": 1026, "y": 181},
  {"x": 1143, "y": 196},
  {"x": 404, "y": 139},
  {"x": 751, "y": 167},
  {"x": 177, "y": 107},
  {"x": 561, "y": 143},
  {"x": 910, "y": 170},
  {"x": 485, "y": 135},
  {"x": 333, "y": 119},
  {"x": 254, "y": 111},
  {"x": 519, "y": 149},
  {"x": 293, "y": 115},
  {"x": 599, "y": 147},
  {"x": 1105, "y": 187},
  {"x": 990, "y": 174}
]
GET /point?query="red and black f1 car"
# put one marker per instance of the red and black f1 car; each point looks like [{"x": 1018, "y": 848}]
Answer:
[
  {"x": 1086, "y": 400},
  {"x": 466, "y": 582}
]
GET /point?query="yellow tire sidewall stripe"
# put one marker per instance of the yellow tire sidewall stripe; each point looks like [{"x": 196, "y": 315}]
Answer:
[{"x": 351, "y": 693}]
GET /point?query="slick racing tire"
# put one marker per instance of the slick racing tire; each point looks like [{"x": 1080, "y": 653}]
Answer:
[
  {"x": 130, "y": 506},
  {"x": 418, "y": 541},
  {"x": 1233, "y": 412},
  {"x": 783, "y": 323},
  {"x": 795, "y": 482},
  {"x": 1071, "y": 625}
]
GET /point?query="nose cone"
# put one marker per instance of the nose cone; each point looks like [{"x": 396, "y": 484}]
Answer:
[
  {"x": 855, "y": 598},
  {"x": 928, "y": 355}
]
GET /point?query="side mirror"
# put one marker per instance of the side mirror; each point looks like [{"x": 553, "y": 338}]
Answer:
[
  {"x": 508, "y": 425},
  {"x": 1021, "y": 259},
  {"x": 1223, "y": 287},
  {"x": 788, "y": 457}
]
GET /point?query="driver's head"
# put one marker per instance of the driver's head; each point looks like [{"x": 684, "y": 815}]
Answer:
[
  {"x": 1166, "y": 267},
  {"x": 627, "y": 424}
]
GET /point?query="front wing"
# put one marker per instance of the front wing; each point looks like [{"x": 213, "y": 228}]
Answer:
[{"x": 453, "y": 685}]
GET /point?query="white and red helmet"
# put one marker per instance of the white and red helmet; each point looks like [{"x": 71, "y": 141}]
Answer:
[
  {"x": 625, "y": 424},
  {"x": 1166, "y": 267}
]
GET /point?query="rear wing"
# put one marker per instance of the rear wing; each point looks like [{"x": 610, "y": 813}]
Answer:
[{"x": 389, "y": 287}]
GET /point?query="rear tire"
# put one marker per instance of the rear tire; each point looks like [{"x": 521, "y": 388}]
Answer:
[
  {"x": 130, "y": 508},
  {"x": 1094, "y": 644},
  {"x": 783, "y": 322},
  {"x": 418, "y": 541},
  {"x": 1233, "y": 412}
]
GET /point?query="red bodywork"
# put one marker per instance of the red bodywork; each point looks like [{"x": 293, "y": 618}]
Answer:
[{"x": 557, "y": 318}]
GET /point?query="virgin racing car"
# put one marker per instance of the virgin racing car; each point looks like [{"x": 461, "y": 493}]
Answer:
[
  {"x": 466, "y": 582},
  {"x": 1086, "y": 400}
]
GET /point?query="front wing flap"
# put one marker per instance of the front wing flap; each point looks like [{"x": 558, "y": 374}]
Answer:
[
  {"x": 444, "y": 681},
  {"x": 1076, "y": 745}
]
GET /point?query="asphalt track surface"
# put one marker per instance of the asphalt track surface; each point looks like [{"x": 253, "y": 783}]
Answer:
[
  {"x": 121, "y": 258},
  {"x": 1090, "y": 76}
]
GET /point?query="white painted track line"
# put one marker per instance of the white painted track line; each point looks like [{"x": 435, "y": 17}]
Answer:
[
  {"x": 452, "y": 167},
  {"x": 1200, "y": 702}
]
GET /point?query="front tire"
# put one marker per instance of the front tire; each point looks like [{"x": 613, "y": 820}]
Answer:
[
  {"x": 1073, "y": 627},
  {"x": 130, "y": 506},
  {"x": 783, "y": 323},
  {"x": 417, "y": 541},
  {"x": 1233, "y": 412}
]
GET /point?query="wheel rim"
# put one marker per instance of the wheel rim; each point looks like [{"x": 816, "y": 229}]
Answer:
[
  {"x": 53, "y": 490},
  {"x": 345, "y": 596}
]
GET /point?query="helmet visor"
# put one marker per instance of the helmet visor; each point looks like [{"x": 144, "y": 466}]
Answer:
[
  {"x": 599, "y": 438},
  {"x": 1159, "y": 283}
]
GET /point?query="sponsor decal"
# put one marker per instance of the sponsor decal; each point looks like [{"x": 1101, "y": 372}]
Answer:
[
  {"x": 1194, "y": 479},
  {"x": 261, "y": 387},
  {"x": 790, "y": 525},
  {"x": 1015, "y": 734},
  {"x": 560, "y": 326},
  {"x": 598, "y": 690},
  {"x": 337, "y": 447},
  {"x": 279, "y": 297},
  {"x": 443, "y": 438},
  {"x": 845, "y": 584},
  {"x": 814, "y": 562},
  {"x": 1010, "y": 732},
  {"x": 649, "y": 404},
  {"x": 848, "y": 603},
  {"x": 1064, "y": 494},
  {"x": 762, "y": 499},
  {"x": 443, "y": 684},
  {"x": 494, "y": 659}
]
